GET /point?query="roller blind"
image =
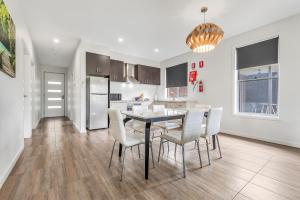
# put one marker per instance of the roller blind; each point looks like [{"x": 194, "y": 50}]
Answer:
[
  {"x": 258, "y": 54},
  {"x": 177, "y": 75}
]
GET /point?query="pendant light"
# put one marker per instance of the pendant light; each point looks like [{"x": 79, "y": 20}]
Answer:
[{"x": 205, "y": 37}]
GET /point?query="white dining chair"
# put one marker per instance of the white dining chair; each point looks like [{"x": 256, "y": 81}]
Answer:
[
  {"x": 140, "y": 126},
  {"x": 202, "y": 107},
  {"x": 118, "y": 131},
  {"x": 167, "y": 125},
  {"x": 213, "y": 123},
  {"x": 189, "y": 133}
]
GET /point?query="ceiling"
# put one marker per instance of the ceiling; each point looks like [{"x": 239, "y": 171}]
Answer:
[{"x": 143, "y": 24}]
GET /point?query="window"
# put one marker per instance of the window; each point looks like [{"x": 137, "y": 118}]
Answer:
[
  {"x": 54, "y": 91},
  {"x": 258, "y": 90},
  {"x": 175, "y": 92},
  {"x": 257, "y": 78},
  {"x": 54, "y": 83},
  {"x": 176, "y": 81}
]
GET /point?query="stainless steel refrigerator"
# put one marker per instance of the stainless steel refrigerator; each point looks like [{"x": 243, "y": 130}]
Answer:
[{"x": 97, "y": 102}]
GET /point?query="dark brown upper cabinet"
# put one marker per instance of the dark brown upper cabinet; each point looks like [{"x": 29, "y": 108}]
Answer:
[
  {"x": 97, "y": 65},
  {"x": 147, "y": 75},
  {"x": 117, "y": 71},
  {"x": 155, "y": 75}
]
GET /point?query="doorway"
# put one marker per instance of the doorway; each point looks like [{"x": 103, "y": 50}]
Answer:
[{"x": 54, "y": 93}]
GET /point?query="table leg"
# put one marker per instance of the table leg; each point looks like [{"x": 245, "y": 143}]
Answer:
[
  {"x": 120, "y": 150},
  {"x": 214, "y": 141},
  {"x": 147, "y": 141}
]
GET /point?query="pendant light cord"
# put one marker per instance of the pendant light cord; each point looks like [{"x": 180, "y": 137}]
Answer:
[{"x": 204, "y": 10}]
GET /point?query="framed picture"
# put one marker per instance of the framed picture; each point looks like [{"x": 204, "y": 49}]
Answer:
[{"x": 7, "y": 42}]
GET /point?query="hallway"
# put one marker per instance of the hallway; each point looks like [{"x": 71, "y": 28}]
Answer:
[{"x": 59, "y": 163}]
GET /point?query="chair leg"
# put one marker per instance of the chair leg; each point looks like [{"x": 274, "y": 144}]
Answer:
[
  {"x": 168, "y": 148},
  {"x": 139, "y": 151},
  {"x": 207, "y": 151},
  {"x": 219, "y": 146},
  {"x": 134, "y": 132},
  {"x": 199, "y": 153},
  {"x": 195, "y": 144},
  {"x": 175, "y": 151},
  {"x": 163, "y": 148},
  {"x": 123, "y": 163},
  {"x": 159, "y": 150},
  {"x": 112, "y": 152},
  {"x": 151, "y": 148},
  {"x": 183, "y": 161}
]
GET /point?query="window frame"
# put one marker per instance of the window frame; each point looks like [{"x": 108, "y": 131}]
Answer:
[
  {"x": 177, "y": 97},
  {"x": 235, "y": 83}
]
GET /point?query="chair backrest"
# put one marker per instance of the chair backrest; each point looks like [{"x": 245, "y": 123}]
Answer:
[
  {"x": 192, "y": 125},
  {"x": 213, "y": 122},
  {"x": 139, "y": 108},
  {"x": 202, "y": 106},
  {"x": 116, "y": 127},
  {"x": 158, "y": 108}
]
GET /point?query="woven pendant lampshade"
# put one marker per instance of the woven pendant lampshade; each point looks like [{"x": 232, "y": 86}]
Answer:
[{"x": 205, "y": 37}]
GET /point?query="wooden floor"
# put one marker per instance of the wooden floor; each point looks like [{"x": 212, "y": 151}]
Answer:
[{"x": 59, "y": 163}]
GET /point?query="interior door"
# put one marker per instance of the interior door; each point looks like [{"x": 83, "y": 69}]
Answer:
[{"x": 54, "y": 94}]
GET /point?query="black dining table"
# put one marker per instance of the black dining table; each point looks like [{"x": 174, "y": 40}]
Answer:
[{"x": 150, "y": 117}]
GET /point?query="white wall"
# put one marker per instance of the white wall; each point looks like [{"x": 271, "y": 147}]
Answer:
[
  {"x": 129, "y": 92},
  {"x": 77, "y": 81},
  {"x": 11, "y": 108},
  {"x": 54, "y": 69},
  {"x": 218, "y": 77},
  {"x": 36, "y": 86},
  {"x": 76, "y": 89}
]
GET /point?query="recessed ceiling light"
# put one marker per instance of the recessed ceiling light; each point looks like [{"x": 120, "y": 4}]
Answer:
[
  {"x": 156, "y": 50},
  {"x": 56, "y": 40},
  {"x": 120, "y": 39}
]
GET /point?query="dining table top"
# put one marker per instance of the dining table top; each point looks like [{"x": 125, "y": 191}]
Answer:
[{"x": 155, "y": 116}]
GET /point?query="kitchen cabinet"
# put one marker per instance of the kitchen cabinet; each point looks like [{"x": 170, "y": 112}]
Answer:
[
  {"x": 97, "y": 65},
  {"x": 155, "y": 75},
  {"x": 147, "y": 75},
  {"x": 117, "y": 71}
]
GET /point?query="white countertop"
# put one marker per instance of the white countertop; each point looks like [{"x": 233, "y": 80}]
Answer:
[
  {"x": 175, "y": 101},
  {"x": 130, "y": 101}
]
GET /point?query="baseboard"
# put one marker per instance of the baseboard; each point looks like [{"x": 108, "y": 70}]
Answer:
[
  {"x": 286, "y": 143},
  {"x": 77, "y": 128},
  {"x": 10, "y": 167},
  {"x": 37, "y": 123}
]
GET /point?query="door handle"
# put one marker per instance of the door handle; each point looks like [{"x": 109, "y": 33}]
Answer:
[{"x": 63, "y": 97}]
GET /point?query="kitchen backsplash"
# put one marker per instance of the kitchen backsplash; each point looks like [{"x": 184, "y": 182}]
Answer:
[{"x": 129, "y": 91}]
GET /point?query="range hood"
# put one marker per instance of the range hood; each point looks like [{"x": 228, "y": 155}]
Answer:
[{"x": 129, "y": 69}]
